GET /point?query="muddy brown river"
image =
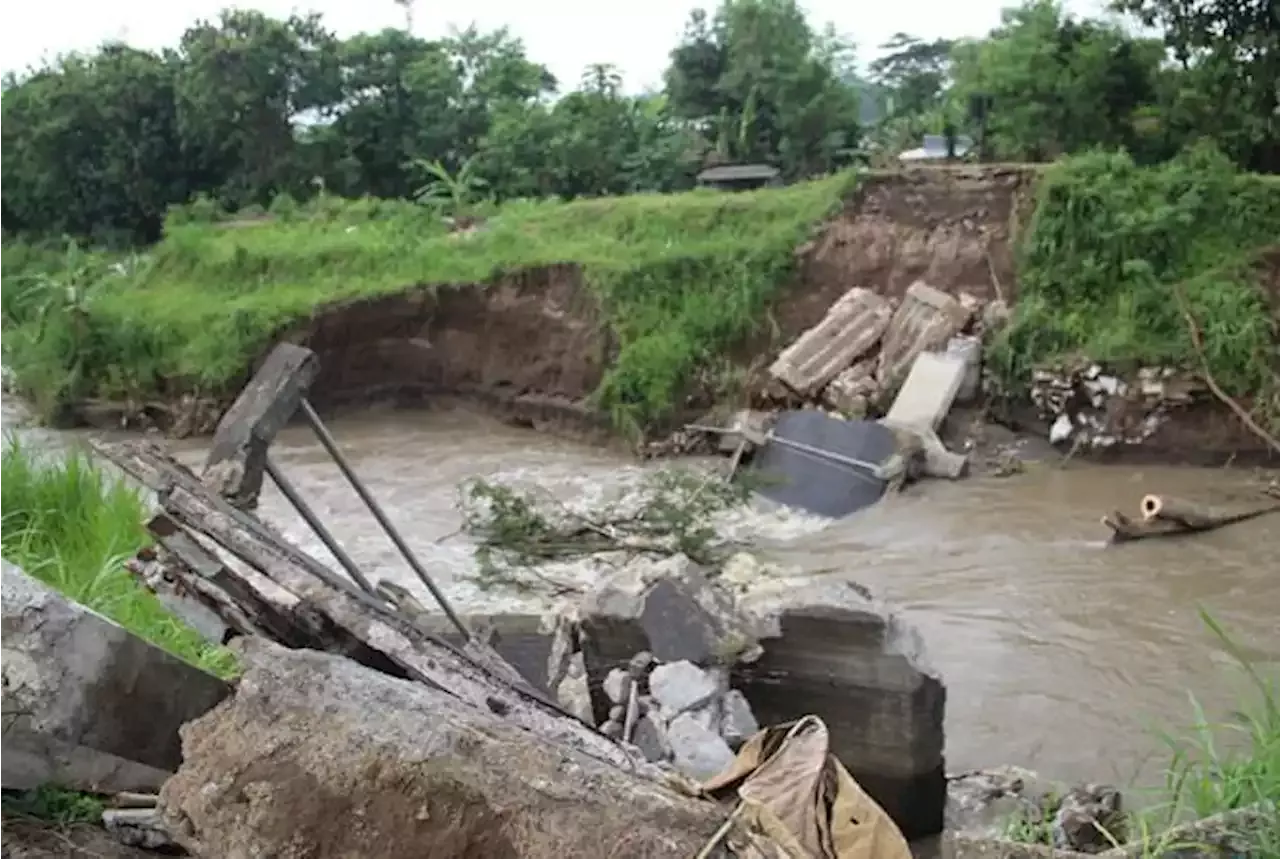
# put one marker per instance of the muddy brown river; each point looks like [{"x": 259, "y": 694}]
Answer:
[{"x": 1059, "y": 653}]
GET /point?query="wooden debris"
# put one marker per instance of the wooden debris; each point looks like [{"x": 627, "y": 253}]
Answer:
[
  {"x": 289, "y": 597},
  {"x": 1165, "y": 516}
]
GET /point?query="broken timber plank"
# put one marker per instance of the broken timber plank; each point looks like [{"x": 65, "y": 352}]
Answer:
[
  {"x": 238, "y": 457},
  {"x": 347, "y": 620}
]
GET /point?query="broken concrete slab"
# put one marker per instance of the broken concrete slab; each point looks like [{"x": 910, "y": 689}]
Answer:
[
  {"x": 929, "y": 391},
  {"x": 852, "y": 326},
  {"x": 833, "y": 651},
  {"x": 934, "y": 458},
  {"x": 523, "y": 640},
  {"x": 238, "y": 456},
  {"x": 926, "y": 320},
  {"x": 316, "y": 755},
  {"x": 799, "y": 476},
  {"x": 88, "y": 704}
]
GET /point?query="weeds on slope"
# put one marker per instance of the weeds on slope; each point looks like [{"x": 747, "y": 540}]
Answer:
[
  {"x": 73, "y": 526},
  {"x": 1107, "y": 244},
  {"x": 680, "y": 277}
]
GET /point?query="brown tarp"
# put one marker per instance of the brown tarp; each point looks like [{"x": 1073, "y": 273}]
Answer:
[{"x": 796, "y": 794}]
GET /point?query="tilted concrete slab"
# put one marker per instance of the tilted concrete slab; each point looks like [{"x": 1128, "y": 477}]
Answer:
[
  {"x": 833, "y": 651},
  {"x": 852, "y": 326},
  {"x": 926, "y": 320},
  {"x": 87, "y": 704},
  {"x": 929, "y": 391}
]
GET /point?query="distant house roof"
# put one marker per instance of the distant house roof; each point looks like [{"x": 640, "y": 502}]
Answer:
[{"x": 739, "y": 173}]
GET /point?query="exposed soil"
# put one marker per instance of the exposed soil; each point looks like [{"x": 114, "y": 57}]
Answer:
[
  {"x": 532, "y": 346},
  {"x": 952, "y": 228}
]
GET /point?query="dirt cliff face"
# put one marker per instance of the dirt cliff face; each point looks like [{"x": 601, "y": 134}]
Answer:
[
  {"x": 952, "y": 228},
  {"x": 530, "y": 345}
]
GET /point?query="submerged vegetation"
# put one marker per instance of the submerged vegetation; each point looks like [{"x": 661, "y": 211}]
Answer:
[{"x": 72, "y": 525}]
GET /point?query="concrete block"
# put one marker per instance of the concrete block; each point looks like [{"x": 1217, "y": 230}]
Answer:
[
  {"x": 833, "y": 651},
  {"x": 87, "y": 704},
  {"x": 237, "y": 458},
  {"x": 929, "y": 392},
  {"x": 850, "y": 329},
  {"x": 926, "y": 320}
]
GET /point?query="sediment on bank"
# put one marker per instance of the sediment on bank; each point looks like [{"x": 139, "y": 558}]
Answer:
[{"x": 629, "y": 314}]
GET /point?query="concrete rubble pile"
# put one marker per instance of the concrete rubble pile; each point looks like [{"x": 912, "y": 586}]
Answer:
[
  {"x": 360, "y": 727},
  {"x": 1088, "y": 405},
  {"x": 926, "y": 349}
]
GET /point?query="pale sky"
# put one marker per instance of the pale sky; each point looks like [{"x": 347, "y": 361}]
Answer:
[{"x": 564, "y": 35}]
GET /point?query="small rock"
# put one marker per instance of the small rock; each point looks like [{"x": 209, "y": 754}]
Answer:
[
  {"x": 640, "y": 664},
  {"x": 617, "y": 713},
  {"x": 611, "y": 729},
  {"x": 617, "y": 685},
  {"x": 651, "y": 739},
  {"x": 681, "y": 686},
  {"x": 699, "y": 753},
  {"x": 738, "y": 723},
  {"x": 138, "y": 827},
  {"x": 1088, "y": 818}
]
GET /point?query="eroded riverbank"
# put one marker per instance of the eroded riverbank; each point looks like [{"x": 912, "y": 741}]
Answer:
[{"x": 1059, "y": 653}]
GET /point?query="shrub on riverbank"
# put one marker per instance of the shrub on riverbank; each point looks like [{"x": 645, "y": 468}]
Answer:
[
  {"x": 681, "y": 278},
  {"x": 72, "y": 525},
  {"x": 1116, "y": 256}
]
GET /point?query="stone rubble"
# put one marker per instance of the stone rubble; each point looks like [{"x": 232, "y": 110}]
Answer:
[
  {"x": 993, "y": 804},
  {"x": 1089, "y": 405},
  {"x": 685, "y": 715},
  {"x": 687, "y": 665}
]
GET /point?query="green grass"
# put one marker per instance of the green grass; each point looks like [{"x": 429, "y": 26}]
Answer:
[
  {"x": 1213, "y": 768},
  {"x": 71, "y": 525},
  {"x": 53, "y": 804},
  {"x": 681, "y": 277},
  {"x": 1106, "y": 246}
]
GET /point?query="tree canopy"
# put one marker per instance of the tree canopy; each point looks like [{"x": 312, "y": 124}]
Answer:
[{"x": 248, "y": 108}]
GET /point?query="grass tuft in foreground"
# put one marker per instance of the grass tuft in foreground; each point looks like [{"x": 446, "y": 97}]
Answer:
[{"x": 71, "y": 525}]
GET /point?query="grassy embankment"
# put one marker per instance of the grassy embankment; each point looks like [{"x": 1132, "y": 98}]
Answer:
[
  {"x": 681, "y": 277},
  {"x": 72, "y": 525},
  {"x": 1110, "y": 251}
]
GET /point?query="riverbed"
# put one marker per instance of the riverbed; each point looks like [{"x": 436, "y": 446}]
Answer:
[{"x": 1059, "y": 652}]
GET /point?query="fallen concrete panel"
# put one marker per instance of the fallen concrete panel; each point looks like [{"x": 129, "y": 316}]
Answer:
[
  {"x": 88, "y": 704},
  {"x": 926, "y": 320},
  {"x": 852, "y": 326},
  {"x": 929, "y": 391},
  {"x": 832, "y": 651},
  {"x": 316, "y": 755},
  {"x": 813, "y": 482}
]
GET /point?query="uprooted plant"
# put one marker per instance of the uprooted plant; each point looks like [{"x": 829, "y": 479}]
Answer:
[{"x": 670, "y": 512}]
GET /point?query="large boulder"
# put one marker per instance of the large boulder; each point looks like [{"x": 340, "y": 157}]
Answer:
[
  {"x": 318, "y": 756},
  {"x": 87, "y": 703}
]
